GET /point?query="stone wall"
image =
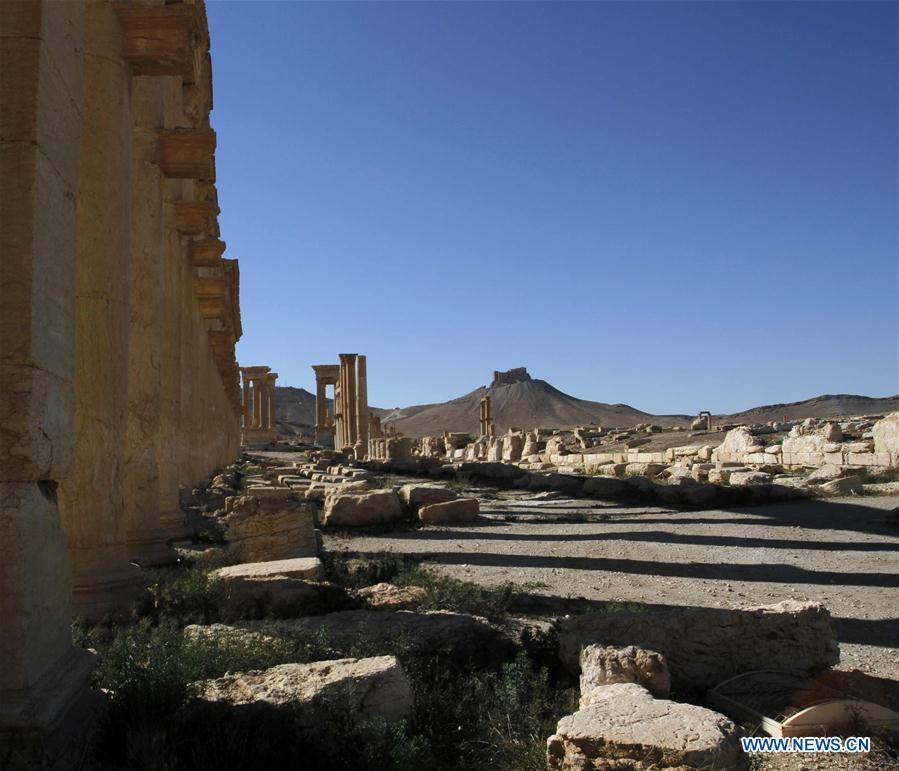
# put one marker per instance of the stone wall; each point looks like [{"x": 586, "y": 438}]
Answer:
[{"x": 118, "y": 320}]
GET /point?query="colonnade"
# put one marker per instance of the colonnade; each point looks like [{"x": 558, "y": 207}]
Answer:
[
  {"x": 118, "y": 319},
  {"x": 350, "y": 415},
  {"x": 259, "y": 417}
]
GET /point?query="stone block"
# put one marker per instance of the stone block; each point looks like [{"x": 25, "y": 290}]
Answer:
[
  {"x": 626, "y": 728},
  {"x": 601, "y": 666},
  {"x": 414, "y": 495},
  {"x": 309, "y": 568},
  {"x": 358, "y": 689},
  {"x": 360, "y": 509},
  {"x": 450, "y": 512},
  {"x": 705, "y": 646},
  {"x": 269, "y": 528}
]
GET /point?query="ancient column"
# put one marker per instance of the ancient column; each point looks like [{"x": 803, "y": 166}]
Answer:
[
  {"x": 348, "y": 392},
  {"x": 270, "y": 379},
  {"x": 91, "y": 499},
  {"x": 43, "y": 679},
  {"x": 258, "y": 400},
  {"x": 362, "y": 414},
  {"x": 247, "y": 410},
  {"x": 146, "y": 539}
]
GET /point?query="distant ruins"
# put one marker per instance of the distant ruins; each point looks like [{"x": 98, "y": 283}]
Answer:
[
  {"x": 119, "y": 318},
  {"x": 259, "y": 419},
  {"x": 486, "y": 425},
  {"x": 347, "y": 427}
]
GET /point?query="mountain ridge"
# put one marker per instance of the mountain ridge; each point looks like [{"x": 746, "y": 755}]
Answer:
[{"x": 520, "y": 401}]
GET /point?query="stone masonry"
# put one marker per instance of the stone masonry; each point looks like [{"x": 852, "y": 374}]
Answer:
[{"x": 118, "y": 320}]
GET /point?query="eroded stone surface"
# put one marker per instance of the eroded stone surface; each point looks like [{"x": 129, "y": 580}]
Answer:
[
  {"x": 461, "y": 510},
  {"x": 602, "y": 666},
  {"x": 386, "y": 596},
  {"x": 704, "y": 646},
  {"x": 309, "y": 568},
  {"x": 359, "y": 509},
  {"x": 626, "y": 729},
  {"x": 463, "y": 638},
  {"x": 415, "y": 496},
  {"x": 260, "y": 529},
  {"x": 362, "y": 689}
]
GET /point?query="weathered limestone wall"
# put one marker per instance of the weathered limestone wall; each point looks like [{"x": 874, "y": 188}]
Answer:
[
  {"x": 91, "y": 499},
  {"x": 41, "y": 676},
  {"x": 118, "y": 319},
  {"x": 145, "y": 538}
]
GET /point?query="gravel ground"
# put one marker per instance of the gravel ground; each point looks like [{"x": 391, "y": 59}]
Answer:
[{"x": 843, "y": 553}]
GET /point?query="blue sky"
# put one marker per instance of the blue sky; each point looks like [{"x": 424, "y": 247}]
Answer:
[{"x": 680, "y": 206}]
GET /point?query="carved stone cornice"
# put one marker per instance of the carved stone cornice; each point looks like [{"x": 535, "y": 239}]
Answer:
[
  {"x": 206, "y": 252},
  {"x": 187, "y": 153},
  {"x": 196, "y": 218},
  {"x": 163, "y": 39}
]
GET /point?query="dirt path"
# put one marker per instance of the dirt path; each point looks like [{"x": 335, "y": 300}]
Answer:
[{"x": 843, "y": 553}]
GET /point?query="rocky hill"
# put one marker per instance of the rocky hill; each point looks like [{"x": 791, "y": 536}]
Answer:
[
  {"x": 826, "y": 406},
  {"x": 518, "y": 400}
]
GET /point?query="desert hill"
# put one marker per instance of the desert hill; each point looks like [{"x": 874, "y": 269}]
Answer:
[
  {"x": 826, "y": 406},
  {"x": 518, "y": 400}
]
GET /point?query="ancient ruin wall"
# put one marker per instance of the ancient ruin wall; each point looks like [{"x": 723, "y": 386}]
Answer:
[{"x": 118, "y": 319}]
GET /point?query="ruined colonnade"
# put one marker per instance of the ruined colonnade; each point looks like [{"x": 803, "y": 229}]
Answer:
[
  {"x": 485, "y": 420},
  {"x": 350, "y": 415},
  {"x": 118, "y": 320},
  {"x": 259, "y": 418}
]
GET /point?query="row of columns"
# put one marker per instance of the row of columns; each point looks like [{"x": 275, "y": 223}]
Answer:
[
  {"x": 259, "y": 415},
  {"x": 118, "y": 318},
  {"x": 486, "y": 425},
  {"x": 350, "y": 416}
]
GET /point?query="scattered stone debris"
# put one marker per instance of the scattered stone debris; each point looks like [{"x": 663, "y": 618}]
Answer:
[
  {"x": 704, "y": 646},
  {"x": 463, "y": 638},
  {"x": 624, "y": 727},
  {"x": 360, "y": 689},
  {"x": 386, "y": 596},
  {"x": 608, "y": 665}
]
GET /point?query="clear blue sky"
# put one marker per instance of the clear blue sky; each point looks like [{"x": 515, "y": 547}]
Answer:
[{"x": 680, "y": 206}]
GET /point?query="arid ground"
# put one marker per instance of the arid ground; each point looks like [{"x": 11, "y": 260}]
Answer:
[{"x": 843, "y": 552}]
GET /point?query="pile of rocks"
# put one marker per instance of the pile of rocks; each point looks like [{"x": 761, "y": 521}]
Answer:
[{"x": 625, "y": 719}]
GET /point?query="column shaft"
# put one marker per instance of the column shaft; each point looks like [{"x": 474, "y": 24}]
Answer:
[
  {"x": 146, "y": 540},
  {"x": 91, "y": 499},
  {"x": 42, "y": 677}
]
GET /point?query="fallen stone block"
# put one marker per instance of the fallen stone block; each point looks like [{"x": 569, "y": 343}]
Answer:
[
  {"x": 744, "y": 478},
  {"x": 250, "y": 597},
  {"x": 222, "y": 634},
  {"x": 360, "y": 509},
  {"x": 450, "y": 512},
  {"x": 386, "y": 596},
  {"x": 704, "y": 646},
  {"x": 462, "y": 638},
  {"x": 266, "y": 491},
  {"x": 415, "y": 496},
  {"x": 601, "y": 666},
  {"x": 310, "y": 695},
  {"x": 309, "y": 568},
  {"x": 626, "y": 729},
  {"x": 261, "y": 529},
  {"x": 843, "y": 486}
]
